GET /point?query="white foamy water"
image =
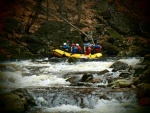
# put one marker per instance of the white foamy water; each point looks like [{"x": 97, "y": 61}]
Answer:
[
  {"x": 22, "y": 74},
  {"x": 132, "y": 61},
  {"x": 27, "y": 73},
  {"x": 103, "y": 106}
]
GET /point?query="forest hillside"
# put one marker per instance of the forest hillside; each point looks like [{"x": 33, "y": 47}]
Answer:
[{"x": 31, "y": 28}]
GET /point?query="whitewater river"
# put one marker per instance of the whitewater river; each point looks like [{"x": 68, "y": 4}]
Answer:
[{"x": 45, "y": 80}]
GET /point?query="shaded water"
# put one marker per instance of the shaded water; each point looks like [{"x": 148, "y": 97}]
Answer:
[{"x": 45, "y": 79}]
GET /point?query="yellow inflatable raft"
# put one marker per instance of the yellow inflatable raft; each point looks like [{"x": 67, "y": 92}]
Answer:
[{"x": 61, "y": 53}]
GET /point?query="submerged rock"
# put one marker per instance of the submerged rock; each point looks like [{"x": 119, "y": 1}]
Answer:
[{"x": 72, "y": 60}]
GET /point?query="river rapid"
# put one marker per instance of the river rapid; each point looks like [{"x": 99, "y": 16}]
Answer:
[{"x": 45, "y": 80}]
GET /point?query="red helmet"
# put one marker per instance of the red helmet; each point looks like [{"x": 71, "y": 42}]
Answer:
[{"x": 73, "y": 44}]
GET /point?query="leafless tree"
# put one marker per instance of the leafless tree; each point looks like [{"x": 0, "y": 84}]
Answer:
[
  {"x": 79, "y": 9},
  {"x": 34, "y": 15}
]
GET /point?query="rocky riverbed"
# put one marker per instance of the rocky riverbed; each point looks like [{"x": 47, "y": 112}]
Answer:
[{"x": 53, "y": 85}]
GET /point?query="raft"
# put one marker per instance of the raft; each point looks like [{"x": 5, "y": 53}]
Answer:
[{"x": 61, "y": 53}]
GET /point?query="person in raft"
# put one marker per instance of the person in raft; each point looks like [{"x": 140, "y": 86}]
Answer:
[
  {"x": 96, "y": 48},
  {"x": 66, "y": 47},
  {"x": 79, "y": 49},
  {"x": 73, "y": 48},
  {"x": 87, "y": 49}
]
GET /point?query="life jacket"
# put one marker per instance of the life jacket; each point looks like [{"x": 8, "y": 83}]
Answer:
[
  {"x": 88, "y": 50},
  {"x": 79, "y": 48},
  {"x": 65, "y": 47},
  {"x": 97, "y": 46},
  {"x": 74, "y": 49}
]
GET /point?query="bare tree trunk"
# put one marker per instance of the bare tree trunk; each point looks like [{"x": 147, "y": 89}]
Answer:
[
  {"x": 34, "y": 15},
  {"x": 79, "y": 9}
]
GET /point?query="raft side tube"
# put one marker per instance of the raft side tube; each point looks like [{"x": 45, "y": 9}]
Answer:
[{"x": 61, "y": 53}]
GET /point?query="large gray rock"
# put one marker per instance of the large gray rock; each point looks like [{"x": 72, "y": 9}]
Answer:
[{"x": 118, "y": 65}]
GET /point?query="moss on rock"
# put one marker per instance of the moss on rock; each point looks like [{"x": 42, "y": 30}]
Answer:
[{"x": 11, "y": 103}]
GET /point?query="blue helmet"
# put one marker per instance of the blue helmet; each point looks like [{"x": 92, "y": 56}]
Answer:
[{"x": 86, "y": 45}]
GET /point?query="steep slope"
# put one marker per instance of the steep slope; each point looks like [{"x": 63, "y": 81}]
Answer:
[{"x": 22, "y": 24}]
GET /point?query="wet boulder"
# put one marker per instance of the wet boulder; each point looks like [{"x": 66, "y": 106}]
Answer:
[
  {"x": 73, "y": 80},
  {"x": 72, "y": 60},
  {"x": 95, "y": 80},
  {"x": 124, "y": 74},
  {"x": 122, "y": 83},
  {"x": 118, "y": 65},
  {"x": 103, "y": 96},
  {"x": 16, "y": 101},
  {"x": 125, "y": 84},
  {"x": 28, "y": 100},
  {"x": 110, "y": 79},
  {"x": 102, "y": 72},
  {"x": 139, "y": 69},
  {"x": 11, "y": 103},
  {"x": 86, "y": 77},
  {"x": 84, "y": 84}
]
